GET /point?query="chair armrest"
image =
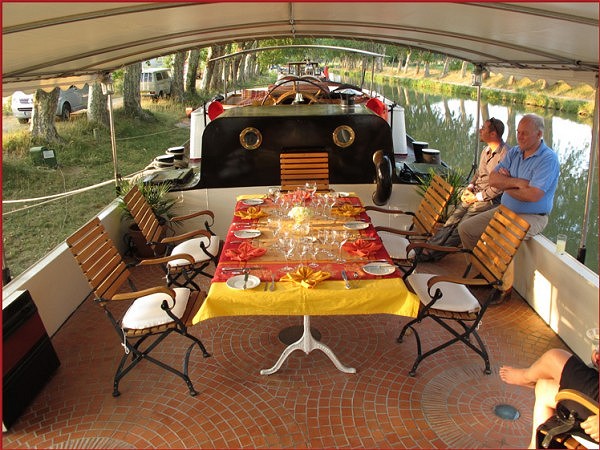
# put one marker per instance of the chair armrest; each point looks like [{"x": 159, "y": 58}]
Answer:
[
  {"x": 388, "y": 211},
  {"x": 439, "y": 248},
  {"x": 401, "y": 232},
  {"x": 166, "y": 259},
  {"x": 205, "y": 212},
  {"x": 457, "y": 280},
  {"x": 579, "y": 397},
  {"x": 143, "y": 292},
  {"x": 185, "y": 236}
]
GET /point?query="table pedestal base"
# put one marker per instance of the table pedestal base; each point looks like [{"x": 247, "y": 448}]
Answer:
[
  {"x": 292, "y": 333},
  {"x": 307, "y": 343}
]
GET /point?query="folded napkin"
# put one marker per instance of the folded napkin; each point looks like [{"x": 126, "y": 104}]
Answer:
[
  {"x": 244, "y": 252},
  {"x": 361, "y": 247},
  {"x": 347, "y": 210},
  {"x": 306, "y": 277},
  {"x": 251, "y": 212},
  {"x": 250, "y": 196}
]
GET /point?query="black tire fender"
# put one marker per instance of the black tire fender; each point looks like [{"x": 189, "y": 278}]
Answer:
[{"x": 383, "y": 178}]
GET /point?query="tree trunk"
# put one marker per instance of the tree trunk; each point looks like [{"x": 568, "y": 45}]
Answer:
[
  {"x": 97, "y": 107},
  {"x": 43, "y": 116},
  {"x": 463, "y": 69},
  {"x": 407, "y": 62},
  {"x": 192, "y": 71},
  {"x": 132, "y": 105},
  {"x": 426, "y": 69},
  {"x": 177, "y": 86},
  {"x": 446, "y": 67}
]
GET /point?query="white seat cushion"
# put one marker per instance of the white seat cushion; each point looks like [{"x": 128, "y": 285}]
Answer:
[
  {"x": 455, "y": 298},
  {"x": 395, "y": 245},
  {"x": 192, "y": 247},
  {"x": 145, "y": 312}
]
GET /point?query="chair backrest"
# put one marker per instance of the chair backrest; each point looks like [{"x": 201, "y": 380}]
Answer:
[
  {"x": 142, "y": 214},
  {"x": 299, "y": 168},
  {"x": 499, "y": 243},
  {"x": 432, "y": 206},
  {"x": 99, "y": 259}
]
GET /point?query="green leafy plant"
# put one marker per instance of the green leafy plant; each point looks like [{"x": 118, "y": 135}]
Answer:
[
  {"x": 157, "y": 196},
  {"x": 455, "y": 177}
]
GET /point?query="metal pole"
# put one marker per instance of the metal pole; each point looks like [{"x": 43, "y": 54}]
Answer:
[
  {"x": 476, "y": 81},
  {"x": 113, "y": 140},
  {"x": 588, "y": 195}
]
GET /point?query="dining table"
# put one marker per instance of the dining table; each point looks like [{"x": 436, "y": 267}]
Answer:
[{"x": 307, "y": 254}]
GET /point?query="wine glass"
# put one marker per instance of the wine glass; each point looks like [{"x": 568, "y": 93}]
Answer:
[
  {"x": 288, "y": 245},
  {"x": 311, "y": 187}
]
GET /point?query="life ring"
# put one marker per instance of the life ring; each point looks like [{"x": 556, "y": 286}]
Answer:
[
  {"x": 383, "y": 174},
  {"x": 215, "y": 109},
  {"x": 378, "y": 107}
]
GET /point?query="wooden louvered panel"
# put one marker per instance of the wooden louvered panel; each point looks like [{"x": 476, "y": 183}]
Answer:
[
  {"x": 499, "y": 243},
  {"x": 300, "y": 168}
]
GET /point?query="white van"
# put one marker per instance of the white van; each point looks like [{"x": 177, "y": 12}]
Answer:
[
  {"x": 155, "y": 82},
  {"x": 69, "y": 101}
]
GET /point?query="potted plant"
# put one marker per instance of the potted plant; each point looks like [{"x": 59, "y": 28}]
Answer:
[{"x": 157, "y": 196}]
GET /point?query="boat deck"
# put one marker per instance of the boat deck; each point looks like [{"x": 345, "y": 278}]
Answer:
[{"x": 307, "y": 404}]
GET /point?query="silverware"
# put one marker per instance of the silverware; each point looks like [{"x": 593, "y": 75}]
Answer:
[
  {"x": 272, "y": 288},
  {"x": 240, "y": 269},
  {"x": 246, "y": 274},
  {"x": 345, "y": 277}
]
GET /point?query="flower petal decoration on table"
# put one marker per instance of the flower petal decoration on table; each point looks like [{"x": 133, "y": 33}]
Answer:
[
  {"x": 361, "y": 247},
  {"x": 306, "y": 277},
  {"x": 252, "y": 212},
  {"x": 244, "y": 252},
  {"x": 347, "y": 210}
]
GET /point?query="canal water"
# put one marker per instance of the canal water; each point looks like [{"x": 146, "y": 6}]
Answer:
[{"x": 448, "y": 124}]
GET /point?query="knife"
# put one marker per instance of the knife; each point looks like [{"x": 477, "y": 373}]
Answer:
[
  {"x": 345, "y": 277},
  {"x": 234, "y": 269},
  {"x": 245, "y": 279}
]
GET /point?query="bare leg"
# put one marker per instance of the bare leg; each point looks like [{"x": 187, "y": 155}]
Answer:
[
  {"x": 549, "y": 366},
  {"x": 544, "y": 407}
]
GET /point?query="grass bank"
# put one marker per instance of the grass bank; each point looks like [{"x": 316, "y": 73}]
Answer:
[
  {"x": 33, "y": 228},
  {"x": 497, "y": 88}
]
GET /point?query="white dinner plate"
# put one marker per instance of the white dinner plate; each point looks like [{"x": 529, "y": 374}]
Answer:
[
  {"x": 379, "y": 268},
  {"x": 253, "y": 201},
  {"x": 246, "y": 234},
  {"x": 237, "y": 282},
  {"x": 356, "y": 225}
]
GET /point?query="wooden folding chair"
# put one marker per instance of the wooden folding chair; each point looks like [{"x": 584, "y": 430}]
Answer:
[
  {"x": 446, "y": 299},
  {"x": 155, "y": 312},
  {"x": 299, "y": 168},
  {"x": 424, "y": 221},
  {"x": 562, "y": 429},
  {"x": 202, "y": 246}
]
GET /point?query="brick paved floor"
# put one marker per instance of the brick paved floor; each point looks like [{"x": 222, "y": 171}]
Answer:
[{"x": 307, "y": 404}]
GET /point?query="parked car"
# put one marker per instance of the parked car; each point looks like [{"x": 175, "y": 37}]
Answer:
[
  {"x": 69, "y": 101},
  {"x": 155, "y": 82}
]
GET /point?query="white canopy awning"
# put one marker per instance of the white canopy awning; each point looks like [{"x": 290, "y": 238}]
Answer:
[{"x": 50, "y": 43}]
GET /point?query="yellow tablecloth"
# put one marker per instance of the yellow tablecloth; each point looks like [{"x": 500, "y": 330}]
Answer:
[
  {"x": 381, "y": 296},
  {"x": 330, "y": 297}
]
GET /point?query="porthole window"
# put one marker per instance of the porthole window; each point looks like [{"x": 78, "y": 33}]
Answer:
[
  {"x": 250, "y": 138},
  {"x": 343, "y": 136}
]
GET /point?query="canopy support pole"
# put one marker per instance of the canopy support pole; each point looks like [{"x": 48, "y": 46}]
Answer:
[
  {"x": 590, "y": 181},
  {"x": 108, "y": 90},
  {"x": 476, "y": 81}
]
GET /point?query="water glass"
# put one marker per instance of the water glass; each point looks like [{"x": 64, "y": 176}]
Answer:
[{"x": 561, "y": 243}]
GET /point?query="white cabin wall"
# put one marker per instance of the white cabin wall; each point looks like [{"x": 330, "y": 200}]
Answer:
[
  {"x": 56, "y": 283},
  {"x": 561, "y": 290}
]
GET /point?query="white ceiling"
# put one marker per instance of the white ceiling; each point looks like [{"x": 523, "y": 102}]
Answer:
[{"x": 81, "y": 40}]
